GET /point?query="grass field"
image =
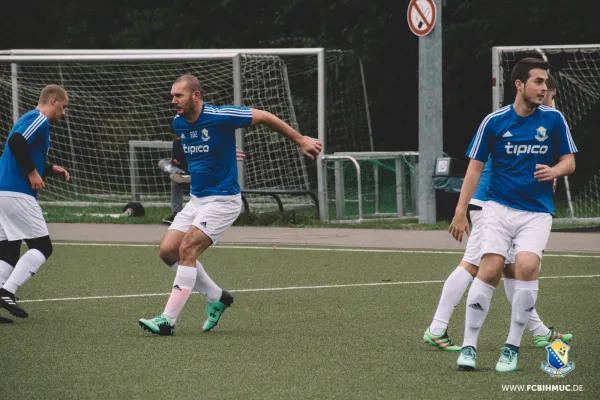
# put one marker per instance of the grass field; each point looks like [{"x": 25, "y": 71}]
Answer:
[{"x": 306, "y": 324}]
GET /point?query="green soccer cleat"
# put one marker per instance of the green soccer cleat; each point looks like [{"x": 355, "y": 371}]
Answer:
[
  {"x": 509, "y": 358},
  {"x": 160, "y": 325},
  {"x": 467, "y": 359},
  {"x": 543, "y": 341},
  {"x": 442, "y": 341},
  {"x": 214, "y": 310}
]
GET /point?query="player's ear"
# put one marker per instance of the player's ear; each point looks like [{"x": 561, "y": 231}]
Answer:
[{"x": 519, "y": 84}]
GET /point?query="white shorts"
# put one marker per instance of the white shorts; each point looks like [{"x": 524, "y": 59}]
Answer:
[
  {"x": 473, "y": 252},
  {"x": 211, "y": 214},
  {"x": 505, "y": 228},
  {"x": 21, "y": 217}
]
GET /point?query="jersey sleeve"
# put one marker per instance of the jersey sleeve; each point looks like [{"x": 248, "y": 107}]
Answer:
[
  {"x": 481, "y": 145},
  {"x": 35, "y": 128},
  {"x": 565, "y": 142},
  {"x": 235, "y": 117}
]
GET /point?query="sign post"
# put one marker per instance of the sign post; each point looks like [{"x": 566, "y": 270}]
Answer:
[{"x": 424, "y": 20}]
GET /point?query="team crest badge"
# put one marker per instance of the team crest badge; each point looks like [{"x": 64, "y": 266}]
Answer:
[
  {"x": 205, "y": 136},
  {"x": 558, "y": 364},
  {"x": 541, "y": 134}
]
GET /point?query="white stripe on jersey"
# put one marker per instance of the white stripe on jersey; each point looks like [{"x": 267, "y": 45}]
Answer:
[
  {"x": 572, "y": 146},
  {"x": 479, "y": 134},
  {"x": 32, "y": 128},
  {"x": 227, "y": 109},
  {"x": 231, "y": 107},
  {"x": 229, "y": 114}
]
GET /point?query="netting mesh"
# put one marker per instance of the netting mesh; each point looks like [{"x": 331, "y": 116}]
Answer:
[
  {"x": 383, "y": 185},
  {"x": 112, "y": 103},
  {"x": 577, "y": 73}
]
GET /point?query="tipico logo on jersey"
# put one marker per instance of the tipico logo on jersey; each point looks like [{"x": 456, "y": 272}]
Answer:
[
  {"x": 541, "y": 134},
  {"x": 191, "y": 150},
  {"x": 519, "y": 149},
  {"x": 205, "y": 136},
  {"x": 558, "y": 364}
]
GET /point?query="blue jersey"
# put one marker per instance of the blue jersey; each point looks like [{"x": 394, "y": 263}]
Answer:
[
  {"x": 209, "y": 147},
  {"x": 516, "y": 144},
  {"x": 484, "y": 183},
  {"x": 35, "y": 128}
]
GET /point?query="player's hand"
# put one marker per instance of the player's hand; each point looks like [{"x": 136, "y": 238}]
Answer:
[
  {"x": 544, "y": 173},
  {"x": 37, "y": 183},
  {"x": 239, "y": 155},
  {"x": 175, "y": 162},
  {"x": 554, "y": 185},
  {"x": 310, "y": 147},
  {"x": 60, "y": 171},
  {"x": 459, "y": 226}
]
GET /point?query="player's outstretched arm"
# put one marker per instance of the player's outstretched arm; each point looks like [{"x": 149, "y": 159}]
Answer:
[
  {"x": 460, "y": 224},
  {"x": 309, "y": 146}
]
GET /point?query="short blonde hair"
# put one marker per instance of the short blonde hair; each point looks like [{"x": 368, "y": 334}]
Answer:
[{"x": 51, "y": 91}]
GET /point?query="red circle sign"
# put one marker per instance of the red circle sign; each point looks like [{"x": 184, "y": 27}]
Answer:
[{"x": 421, "y": 16}]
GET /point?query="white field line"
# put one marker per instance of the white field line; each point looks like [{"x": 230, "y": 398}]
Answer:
[
  {"x": 275, "y": 289},
  {"x": 334, "y": 249}
]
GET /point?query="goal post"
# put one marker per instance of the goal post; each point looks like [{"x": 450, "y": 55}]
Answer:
[
  {"x": 576, "y": 70},
  {"x": 227, "y": 77},
  {"x": 306, "y": 79},
  {"x": 370, "y": 185}
]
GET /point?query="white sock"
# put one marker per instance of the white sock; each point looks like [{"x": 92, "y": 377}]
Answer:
[
  {"x": 5, "y": 270},
  {"x": 535, "y": 324},
  {"x": 454, "y": 289},
  {"x": 182, "y": 287},
  {"x": 523, "y": 303},
  {"x": 478, "y": 306},
  {"x": 26, "y": 268},
  {"x": 205, "y": 285}
]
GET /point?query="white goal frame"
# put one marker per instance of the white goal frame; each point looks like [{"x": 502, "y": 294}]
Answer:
[
  {"x": 353, "y": 157},
  {"x": 39, "y": 55}
]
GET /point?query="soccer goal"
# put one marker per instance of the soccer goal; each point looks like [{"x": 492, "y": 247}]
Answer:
[
  {"x": 370, "y": 185},
  {"x": 117, "y": 96},
  {"x": 576, "y": 69}
]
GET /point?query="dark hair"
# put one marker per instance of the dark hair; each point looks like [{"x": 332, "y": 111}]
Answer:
[
  {"x": 551, "y": 83},
  {"x": 521, "y": 69},
  {"x": 192, "y": 83}
]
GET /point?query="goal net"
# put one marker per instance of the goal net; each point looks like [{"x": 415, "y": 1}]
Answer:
[
  {"x": 576, "y": 70},
  {"x": 117, "y": 99}
]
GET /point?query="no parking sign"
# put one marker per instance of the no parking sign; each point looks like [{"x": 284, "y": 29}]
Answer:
[{"x": 421, "y": 16}]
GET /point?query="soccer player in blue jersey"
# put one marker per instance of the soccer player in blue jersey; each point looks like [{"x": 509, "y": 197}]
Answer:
[
  {"x": 458, "y": 281},
  {"x": 23, "y": 166},
  {"x": 530, "y": 145},
  {"x": 207, "y": 135}
]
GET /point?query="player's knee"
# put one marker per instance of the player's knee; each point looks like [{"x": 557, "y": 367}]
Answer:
[
  {"x": 470, "y": 268},
  {"x": 168, "y": 254},
  {"x": 43, "y": 245},
  {"x": 10, "y": 252}
]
